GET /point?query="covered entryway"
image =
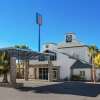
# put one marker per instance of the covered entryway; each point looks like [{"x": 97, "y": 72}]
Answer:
[
  {"x": 17, "y": 54},
  {"x": 44, "y": 72}
]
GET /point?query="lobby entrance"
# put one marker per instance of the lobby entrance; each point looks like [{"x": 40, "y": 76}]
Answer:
[{"x": 43, "y": 73}]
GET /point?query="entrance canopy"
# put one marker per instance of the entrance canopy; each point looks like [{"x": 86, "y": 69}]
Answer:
[{"x": 21, "y": 54}]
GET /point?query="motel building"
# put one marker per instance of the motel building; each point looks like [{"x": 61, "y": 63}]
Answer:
[{"x": 68, "y": 60}]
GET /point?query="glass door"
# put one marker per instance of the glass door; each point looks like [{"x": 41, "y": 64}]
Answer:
[{"x": 43, "y": 73}]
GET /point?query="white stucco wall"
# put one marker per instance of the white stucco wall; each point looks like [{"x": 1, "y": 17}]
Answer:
[
  {"x": 65, "y": 63},
  {"x": 87, "y": 72},
  {"x": 81, "y": 52}
]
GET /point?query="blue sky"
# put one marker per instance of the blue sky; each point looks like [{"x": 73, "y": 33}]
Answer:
[{"x": 18, "y": 25}]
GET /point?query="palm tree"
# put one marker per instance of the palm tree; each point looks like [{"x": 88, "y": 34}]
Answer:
[
  {"x": 93, "y": 51},
  {"x": 24, "y": 47},
  {"x": 21, "y": 46},
  {"x": 4, "y": 64},
  {"x": 97, "y": 60}
]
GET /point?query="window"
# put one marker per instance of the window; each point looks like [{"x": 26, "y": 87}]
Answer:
[
  {"x": 45, "y": 58},
  {"x": 42, "y": 58},
  {"x": 53, "y": 57},
  {"x": 82, "y": 73}
]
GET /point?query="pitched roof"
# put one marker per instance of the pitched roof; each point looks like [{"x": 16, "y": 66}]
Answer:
[
  {"x": 80, "y": 64},
  {"x": 20, "y": 53}
]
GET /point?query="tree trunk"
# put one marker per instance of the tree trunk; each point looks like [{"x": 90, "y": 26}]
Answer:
[
  {"x": 5, "y": 79},
  {"x": 93, "y": 72}
]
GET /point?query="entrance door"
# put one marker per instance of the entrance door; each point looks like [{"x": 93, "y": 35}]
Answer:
[{"x": 43, "y": 73}]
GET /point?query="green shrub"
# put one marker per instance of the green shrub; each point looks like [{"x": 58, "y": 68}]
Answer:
[{"x": 75, "y": 77}]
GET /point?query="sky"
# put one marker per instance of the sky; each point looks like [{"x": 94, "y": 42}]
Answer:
[{"x": 18, "y": 21}]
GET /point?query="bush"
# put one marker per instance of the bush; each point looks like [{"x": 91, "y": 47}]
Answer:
[
  {"x": 75, "y": 77},
  {"x": 82, "y": 78}
]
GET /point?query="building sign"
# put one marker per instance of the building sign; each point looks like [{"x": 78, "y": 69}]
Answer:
[{"x": 69, "y": 38}]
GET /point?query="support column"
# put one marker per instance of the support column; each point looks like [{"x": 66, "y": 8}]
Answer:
[
  {"x": 13, "y": 71},
  {"x": 37, "y": 73},
  {"x": 26, "y": 70},
  {"x": 49, "y": 69},
  {"x": 34, "y": 73}
]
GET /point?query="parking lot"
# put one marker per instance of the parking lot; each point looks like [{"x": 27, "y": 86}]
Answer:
[{"x": 52, "y": 91}]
